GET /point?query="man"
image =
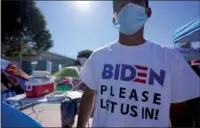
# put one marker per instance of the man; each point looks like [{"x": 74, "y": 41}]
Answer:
[
  {"x": 182, "y": 114},
  {"x": 132, "y": 82}
]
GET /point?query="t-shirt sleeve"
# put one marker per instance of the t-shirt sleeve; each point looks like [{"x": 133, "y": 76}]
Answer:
[
  {"x": 185, "y": 83},
  {"x": 87, "y": 73}
]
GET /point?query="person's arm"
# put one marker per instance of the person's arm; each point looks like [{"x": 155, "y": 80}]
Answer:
[
  {"x": 194, "y": 104},
  {"x": 185, "y": 86},
  {"x": 194, "y": 108},
  {"x": 86, "y": 107},
  {"x": 88, "y": 76}
]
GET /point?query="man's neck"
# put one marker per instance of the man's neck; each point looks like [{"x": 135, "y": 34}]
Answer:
[{"x": 132, "y": 40}]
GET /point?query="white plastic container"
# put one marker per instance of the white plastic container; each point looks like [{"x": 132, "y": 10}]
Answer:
[
  {"x": 56, "y": 96},
  {"x": 38, "y": 73}
]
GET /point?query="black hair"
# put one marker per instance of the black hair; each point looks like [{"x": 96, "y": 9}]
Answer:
[
  {"x": 115, "y": 2},
  {"x": 147, "y": 3},
  {"x": 77, "y": 63}
]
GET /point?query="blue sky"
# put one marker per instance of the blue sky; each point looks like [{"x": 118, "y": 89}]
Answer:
[{"x": 74, "y": 27}]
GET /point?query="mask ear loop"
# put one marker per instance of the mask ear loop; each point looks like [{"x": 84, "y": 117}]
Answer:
[{"x": 117, "y": 15}]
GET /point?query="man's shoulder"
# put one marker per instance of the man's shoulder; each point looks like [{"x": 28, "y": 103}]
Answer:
[
  {"x": 168, "y": 54},
  {"x": 104, "y": 49},
  {"x": 161, "y": 46},
  {"x": 169, "y": 50}
]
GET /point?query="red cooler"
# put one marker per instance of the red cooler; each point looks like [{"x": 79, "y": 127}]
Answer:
[{"x": 39, "y": 87}]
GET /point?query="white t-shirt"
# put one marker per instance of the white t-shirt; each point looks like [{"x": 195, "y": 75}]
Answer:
[{"x": 136, "y": 84}]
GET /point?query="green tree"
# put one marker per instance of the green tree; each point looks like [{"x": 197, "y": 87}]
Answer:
[
  {"x": 22, "y": 22},
  {"x": 44, "y": 41}
]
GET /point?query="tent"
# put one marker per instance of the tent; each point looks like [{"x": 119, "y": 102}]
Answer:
[
  {"x": 189, "y": 32},
  {"x": 65, "y": 84},
  {"x": 65, "y": 72},
  {"x": 189, "y": 53}
]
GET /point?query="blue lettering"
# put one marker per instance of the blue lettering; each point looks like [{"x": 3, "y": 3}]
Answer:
[
  {"x": 124, "y": 69},
  {"x": 159, "y": 78},
  {"x": 117, "y": 70},
  {"x": 107, "y": 71}
]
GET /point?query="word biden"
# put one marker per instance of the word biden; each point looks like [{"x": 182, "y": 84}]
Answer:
[{"x": 137, "y": 73}]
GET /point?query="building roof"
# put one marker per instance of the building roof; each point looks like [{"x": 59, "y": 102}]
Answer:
[
  {"x": 44, "y": 56},
  {"x": 54, "y": 56}
]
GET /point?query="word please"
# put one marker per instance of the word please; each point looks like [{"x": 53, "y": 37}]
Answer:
[
  {"x": 133, "y": 106},
  {"x": 135, "y": 73},
  {"x": 133, "y": 95}
]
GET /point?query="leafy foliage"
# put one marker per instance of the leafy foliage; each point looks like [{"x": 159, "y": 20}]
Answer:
[{"x": 22, "y": 23}]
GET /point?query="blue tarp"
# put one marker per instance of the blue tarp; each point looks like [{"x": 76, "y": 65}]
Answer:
[
  {"x": 11, "y": 117},
  {"x": 189, "y": 32},
  {"x": 187, "y": 50},
  {"x": 6, "y": 94},
  {"x": 189, "y": 53}
]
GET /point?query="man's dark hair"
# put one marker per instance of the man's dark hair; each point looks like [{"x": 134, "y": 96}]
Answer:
[
  {"x": 115, "y": 2},
  {"x": 147, "y": 3}
]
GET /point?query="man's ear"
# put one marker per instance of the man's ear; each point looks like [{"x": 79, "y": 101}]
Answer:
[{"x": 148, "y": 12}]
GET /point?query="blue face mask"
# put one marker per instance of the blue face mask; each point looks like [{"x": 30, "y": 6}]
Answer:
[{"x": 130, "y": 19}]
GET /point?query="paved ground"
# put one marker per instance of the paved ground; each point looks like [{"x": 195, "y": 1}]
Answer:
[{"x": 50, "y": 116}]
